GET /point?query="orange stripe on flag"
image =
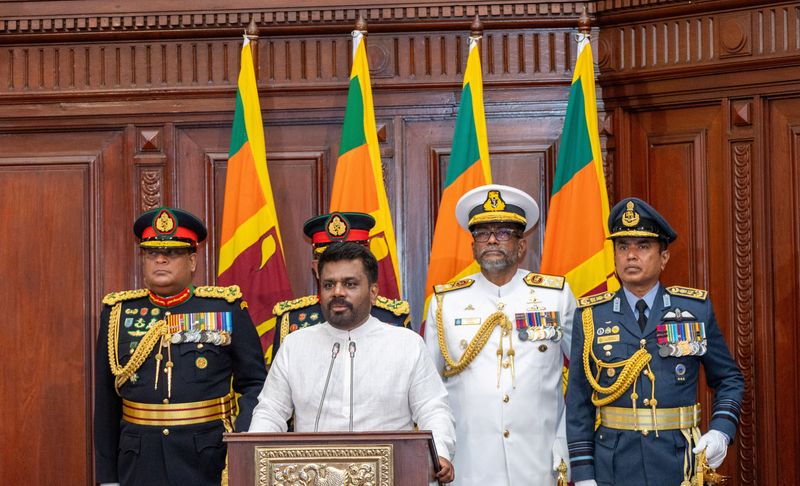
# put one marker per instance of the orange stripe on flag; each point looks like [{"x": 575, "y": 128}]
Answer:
[
  {"x": 574, "y": 211},
  {"x": 249, "y": 196},
  {"x": 451, "y": 254},
  {"x": 354, "y": 184}
]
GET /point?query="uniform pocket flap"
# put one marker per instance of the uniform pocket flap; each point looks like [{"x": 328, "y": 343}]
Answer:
[
  {"x": 208, "y": 438},
  {"x": 130, "y": 443}
]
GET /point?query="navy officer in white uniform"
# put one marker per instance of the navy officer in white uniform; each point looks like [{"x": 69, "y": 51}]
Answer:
[{"x": 499, "y": 338}]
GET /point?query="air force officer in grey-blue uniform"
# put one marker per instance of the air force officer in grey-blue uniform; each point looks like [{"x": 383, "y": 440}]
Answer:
[{"x": 636, "y": 359}]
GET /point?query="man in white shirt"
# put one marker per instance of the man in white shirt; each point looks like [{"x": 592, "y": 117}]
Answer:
[
  {"x": 499, "y": 337},
  {"x": 393, "y": 385}
]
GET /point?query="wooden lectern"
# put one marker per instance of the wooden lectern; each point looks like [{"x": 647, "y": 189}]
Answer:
[{"x": 331, "y": 458}]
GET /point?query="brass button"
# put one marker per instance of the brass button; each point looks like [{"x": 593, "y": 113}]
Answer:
[
  {"x": 506, "y": 398},
  {"x": 643, "y": 342},
  {"x": 542, "y": 348},
  {"x": 506, "y": 433},
  {"x": 165, "y": 432},
  {"x": 199, "y": 345},
  {"x": 645, "y": 432},
  {"x": 646, "y": 402},
  {"x": 611, "y": 372},
  {"x": 506, "y": 363},
  {"x": 168, "y": 313},
  {"x": 166, "y": 400}
]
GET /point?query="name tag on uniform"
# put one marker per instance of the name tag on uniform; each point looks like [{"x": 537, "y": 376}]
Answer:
[
  {"x": 614, "y": 338},
  {"x": 468, "y": 321}
]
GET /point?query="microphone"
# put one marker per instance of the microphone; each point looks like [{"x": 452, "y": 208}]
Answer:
[
  {"x": 334, "y": 353},
  {"x": 352, "y": 349}
]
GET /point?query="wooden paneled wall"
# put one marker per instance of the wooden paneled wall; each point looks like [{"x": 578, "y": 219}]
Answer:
[{"x": 105, "y": 113}]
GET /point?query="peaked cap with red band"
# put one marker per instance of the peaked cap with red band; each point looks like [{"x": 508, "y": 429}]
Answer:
[
  {"x": 167, "y": 227},
  {"x": 330, "y": 228}
]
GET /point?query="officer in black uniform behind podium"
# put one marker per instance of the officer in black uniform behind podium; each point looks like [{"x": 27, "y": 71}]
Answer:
[
  {"x": 165, "y": 358},
  {"x": 305, "y": 311}
]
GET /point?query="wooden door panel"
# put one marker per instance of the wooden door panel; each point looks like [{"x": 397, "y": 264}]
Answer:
[
  {"x": 779, "y": 329},
  {"x": 48, "y": 332}
]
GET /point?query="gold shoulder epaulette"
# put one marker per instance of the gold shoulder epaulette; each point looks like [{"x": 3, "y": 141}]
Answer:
[
  {"x": 289, "y": 305},
  {"x": 115, "y": 297},
  {"x": 595, "y": 299},
  {"x": 230, "y": 293},
  {"x": 395, "y": 306},
  {"x": 458, "y": 284},
  {"x": 688, "y": 292},
  {"x": 544, "y": 280}
]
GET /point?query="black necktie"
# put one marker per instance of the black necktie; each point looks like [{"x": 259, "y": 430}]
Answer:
[{"x": 641, "y": 306}]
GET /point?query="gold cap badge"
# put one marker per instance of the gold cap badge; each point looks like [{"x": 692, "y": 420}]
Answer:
[
  {"x": 164, "y": 222},
  {"x": 630, "y": 217},
  {"x": 337, "y": 227},
  {"x": 494, "y": 202}
]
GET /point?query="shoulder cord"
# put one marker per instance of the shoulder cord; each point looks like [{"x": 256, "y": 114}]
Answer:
[
  {"x": 284, "y": 327},
  {"x": 146, "y": 345},
  {"x": 478, "y": 342},
  {"x": 631, "y": 368}
]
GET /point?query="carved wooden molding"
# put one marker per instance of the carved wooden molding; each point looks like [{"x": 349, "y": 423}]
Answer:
[
  {"x": 743, "y": 299},
  {"x": 140, "y": 69},
  {"x": 324, "y": 17},
  {"x": 699, "y": 41},
  {"x": 150, "y": 187}
]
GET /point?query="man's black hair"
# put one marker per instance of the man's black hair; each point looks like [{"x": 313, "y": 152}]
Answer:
[{"x": 348, "y": 250}]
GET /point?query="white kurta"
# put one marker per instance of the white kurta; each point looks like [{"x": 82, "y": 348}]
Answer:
[
  {"x": 505, "y": 434},
  {"x": 395, "y": 384}
]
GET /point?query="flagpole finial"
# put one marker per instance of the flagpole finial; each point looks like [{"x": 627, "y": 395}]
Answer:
[
  {"x": 476, "y": 29},
  {"x": 584, "y": 23},
  {"x": 252, "y": 29},
  {"x": 361, "y": 25}
]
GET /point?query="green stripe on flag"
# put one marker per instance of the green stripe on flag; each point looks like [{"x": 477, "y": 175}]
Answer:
[
  {"x": 465, "y": 150},
  {"x": 353, "y": 130},
  {"x": 239, "y": 132},
  {"x": 576, "y": 146}
]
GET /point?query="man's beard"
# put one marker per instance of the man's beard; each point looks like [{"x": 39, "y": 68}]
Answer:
[
  {"x": 509, "y": 260},
  {"x": 342, "y": 319}
]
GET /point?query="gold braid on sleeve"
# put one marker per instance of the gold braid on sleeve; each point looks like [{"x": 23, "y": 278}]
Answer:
[
  {"x": 631, "y": 367},
  {"x": 475, "y": 346},
  {"x": 146, "y": 345}
]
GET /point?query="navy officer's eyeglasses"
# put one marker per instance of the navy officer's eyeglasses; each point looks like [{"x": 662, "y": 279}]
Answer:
[{"x": 500, "y": 234}]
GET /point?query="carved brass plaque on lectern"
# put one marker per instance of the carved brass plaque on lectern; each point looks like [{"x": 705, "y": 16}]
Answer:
[{"x": 333, "y": 465}]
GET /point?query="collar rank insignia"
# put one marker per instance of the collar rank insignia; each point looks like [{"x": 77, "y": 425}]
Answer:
[
  {"x": 544, "y": 280},
  {"x": 688, "y": 292},
  {"x": 458, "y": 284},
  {"x": 595, "y": 299}
]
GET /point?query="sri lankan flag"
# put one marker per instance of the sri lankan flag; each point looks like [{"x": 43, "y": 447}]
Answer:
[
  {"x": 251, "y": 252},
  {"x": 468, "y": 168},
  {"x": 358, "y": 182},
  {"x": 575, "y": 243}
]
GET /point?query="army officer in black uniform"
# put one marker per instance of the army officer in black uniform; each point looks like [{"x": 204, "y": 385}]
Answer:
[
  {"x": 305, "y": 311},
  {"x": 165, "y": 358}
]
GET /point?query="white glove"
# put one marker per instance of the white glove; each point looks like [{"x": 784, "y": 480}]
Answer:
[
  {"x": 586, "y": 482},
  {"x": 716, "y": 445}
]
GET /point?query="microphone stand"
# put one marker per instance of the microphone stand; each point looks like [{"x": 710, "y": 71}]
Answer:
[
  {"x": 352, "y": 349},
  {"x": 334, "y": 353}
]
